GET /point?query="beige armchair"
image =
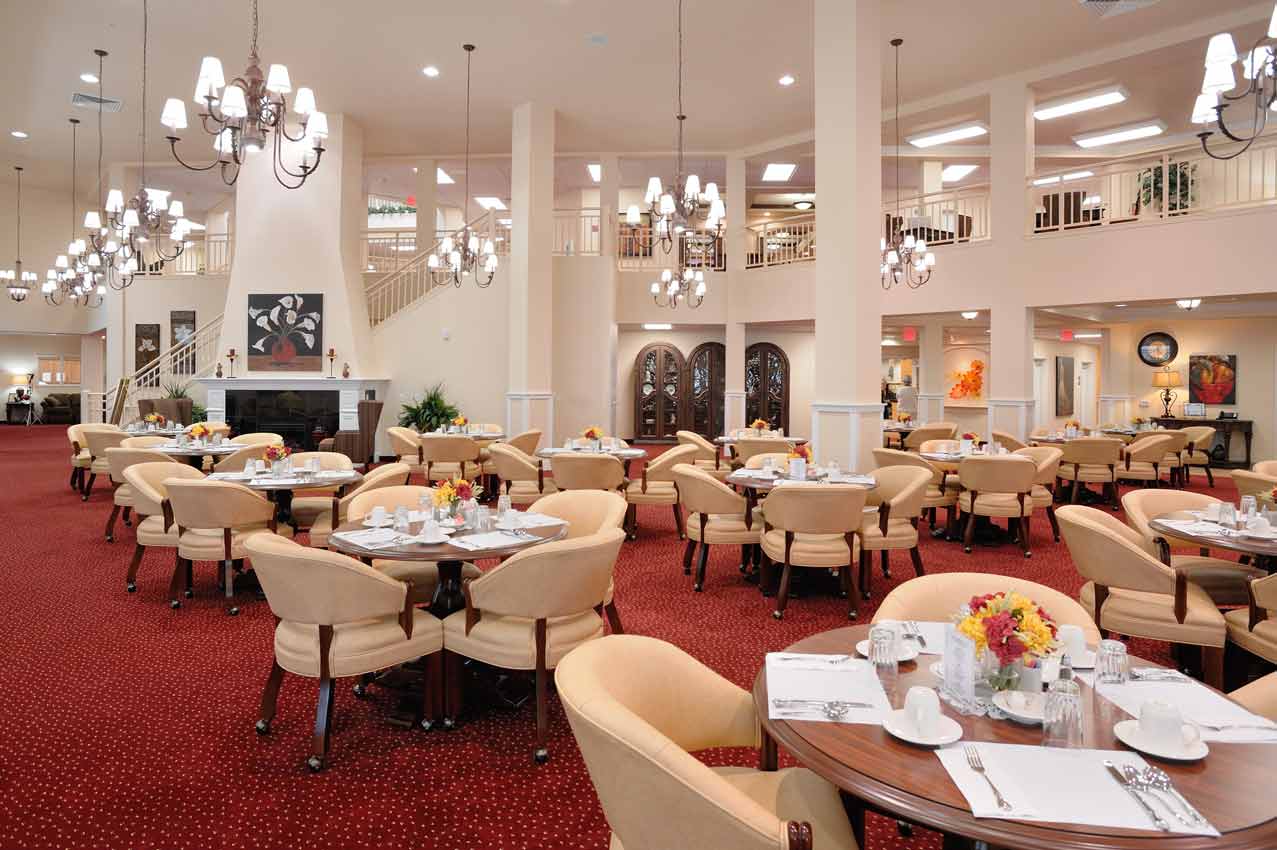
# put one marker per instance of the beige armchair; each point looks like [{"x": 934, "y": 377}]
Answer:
[
  {"x": 1130, "y": 592},
  {"x": 1010, "y": 442},
  {"x": 588, "y": 471},
  {"x": 658, "y": 487},
  {"x": 930, "y": 431},
  {"x": 118, "y": 459},
  {"x": 1253, "y": 483},
  {"x": 258, "y": 438},
  {"x": 449, "y": 456},
  {"x": 240, "y": 459},
  {"x": 218, "y": 428},
  {"x": 1173, "y": 462},
  {"x": 1047, "y": 459},
  {"x": 708, "y": 456},
  {"x": 98, "y": 439},
  {"x": 779, "y": 460},
  {"x": 522, "y": 475},
  {"x": 214, "y": 518},
  {"x": 588, "y": 512},
  {"x": 1254, "y": 628},
  {"x": 942, "y": 489},
  {"x": 80, "y": 459},
  {"x": 386, "y": 475},
  {"x": 626, "y": 699},
  {"x": 1144, "y": 459},
  {"x": 338, "y": 617},
  {"x": 935, "y": 597},
  {"x": 144, "y": 442},
  {"x": 716, "y": 515},
  {"x": 997, "y": 486},
  {"x": 154, "y": 515},
  {"x": 526, "y": 442},
  {"x": 1266, "y": 467},
  {"x": 406, "y": 444},
  {"x": 812, "y": 526},
  {"x": 529, "y": 612},
  {"x": 310, "y": 503},
  {"x": 1226, "y": 582},
  {"x": 898, "y": 497},
  {"x": 1092, "y": 460},
  {"x": 746, "y": 447},
  {"x": 1260, "y": 696}
]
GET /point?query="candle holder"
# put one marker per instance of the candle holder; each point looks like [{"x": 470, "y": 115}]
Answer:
[
  {"x": 332, "y": 355},
  {"x": 230, "y": 355}
]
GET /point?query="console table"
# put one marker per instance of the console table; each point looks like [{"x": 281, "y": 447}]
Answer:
[{"x": 1226, "y": 428}]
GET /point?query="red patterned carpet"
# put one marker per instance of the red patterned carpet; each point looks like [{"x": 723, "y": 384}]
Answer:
[{"x": 127, "y": 725}]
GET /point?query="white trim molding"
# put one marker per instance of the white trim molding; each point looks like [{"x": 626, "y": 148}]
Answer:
[
  {"x": 524, "y": 402},
  {"x": 931, "y": 407},
  {"x": 856, "y": 414},
  {"x": 349, "y": 392},
  {"x": 1023, "y": 408},
  {"x": 733, "y": 410}
]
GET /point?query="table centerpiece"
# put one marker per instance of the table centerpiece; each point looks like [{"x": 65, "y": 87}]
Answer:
[
  {"x": 1012, "y": 634},
  {"x": 277, "y": 456}
]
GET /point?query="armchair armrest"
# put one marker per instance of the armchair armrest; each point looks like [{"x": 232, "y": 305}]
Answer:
[{"x": 1263, "y": 598}]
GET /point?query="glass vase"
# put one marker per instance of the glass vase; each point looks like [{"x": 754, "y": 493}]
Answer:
[{"x": 998, "y": 676}]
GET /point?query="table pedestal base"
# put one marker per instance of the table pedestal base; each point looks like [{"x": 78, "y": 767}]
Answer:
[{"x": 448, "y": 596}]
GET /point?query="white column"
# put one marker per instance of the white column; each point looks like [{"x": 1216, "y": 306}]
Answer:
[
  {"x": 734, "y": 393},
  {"x": 931, "y": 179},
  {"x": 930, "y": 371},
  {"x": 426, "y": 206},
  {"x": 609, "y": 214},
  {"x": 1011, "y": 369},
  {"x": 847, "y": 414},
  {"x": 737, "y": 203},
  {"x": 530, "y": 395},
  {"x": 1117, "y": 350}
]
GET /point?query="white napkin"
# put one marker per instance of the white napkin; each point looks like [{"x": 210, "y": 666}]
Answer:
[
  {"x": 824, "y": 677},
  {"x": 230, "y": 476},
  {"x": 269, "y": 480},
  {"x": 524, "y": 519},
  {"x": 789, "y": 482},
  {"x": 1193, "y": 526},
  {"x": 849, "y": 478},
  {"x": 1054, "y": 784},
  {"x": 334, "y": 474},
  {"x": 932, "y": 633},
  {"x": 1197, "y": 703},
  {"x": 487, "y": 540},
  {"x": 757, "y": 473},
  {"x": 373, "y": 538}
]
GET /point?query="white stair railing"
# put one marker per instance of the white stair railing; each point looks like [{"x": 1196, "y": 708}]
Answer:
[
  {"x": 179, "y": 365},
  {"x": 781, "y": 242}
]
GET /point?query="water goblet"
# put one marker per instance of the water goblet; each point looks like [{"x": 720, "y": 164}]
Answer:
[
  {"x": 1112, "y": 665},
  {"x": 503, "y": 505},
  {"x": 1249, "y": 507},
  {"x": 1227, "y": 515},
  {"x": 884, "y": 653},
  {"x": 401, "y": 519}
]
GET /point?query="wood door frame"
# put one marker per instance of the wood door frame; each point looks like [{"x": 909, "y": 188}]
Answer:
[
  {"x": 763, "y": 347},
  {"x": 689, "y": 418},
  {"x": 681, "y": 401}
]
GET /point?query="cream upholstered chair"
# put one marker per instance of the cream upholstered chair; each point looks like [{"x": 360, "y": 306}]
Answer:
[
  {"x": 119, "y": 459},
  {"x": 449, "y": 456},
  {"x": 522, "y": 476},
  {"x": 1091, "y": 460},
  {"x": 588, "y": 512},
  {"x": 1047, "y": 459},
  {"x": 1144, "y": 459},
  {"x": 1130, "y": 592},
  {"x": 338, "y": 617},
  {"x": 1173, "y": 462},
  {"x": 258, "y": 438},
  {"x": 813, "y": 526},
  {"x": 217, "y": 428},
  {"x": 214, "y": 518},
  {"x": 529, "y": 612},
  {"x": 239, "y": 460},
  {"x": 708, "y": 457},
  {"x": 1253, "y": 483},
  {"x": 144, "y": 442},
  {"x": 935, "y": 597},
  {"x": 898, "y": 497},
  {"x": 98, "y": 439},
  {"x": 80, "y": 460},
  {"x": 153, "y": 514},
  {"x": 930, "y": 431},
  {"x": 942, "y": 490},
  {"x": 716, "y": 515},
  {"x": 997, "y": 486},
  {"x": 423, "y": 574},
  {"x": 406, "y": 444},
  {"x": 526, "y": 442},
  {"x": 658, "y": 487},
  {"x": 1010, "y": 442},
  {"x": 308, "y": 504},
  {"x": 747, "y": 447},
  {"x": 386, "y": 475},
  {"x": 627, "y": 700},
  {"x": 588, "y": 471},
  {"x": 1260, "y": 696},
  {"x": 1254, "y": 628},
  {"x": 1226, "y": 582},
  {"x": 778, "y": 460},
  {"x": 1265, "y": 467}
]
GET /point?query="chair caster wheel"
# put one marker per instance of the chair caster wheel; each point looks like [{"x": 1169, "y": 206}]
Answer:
[
  {"x": 188, "y": 593},
  {"x": 778, "y": 614},
  {"x": 359, "y": 691},
  {"x": 262, "y": 728},
  {"x": 131, "y": 587},
  {"x": 886, "y": 575},
  {"x": 541, "y": 755},
  {"x": 696, "y": 587},
  {"x": 865, "y": 596},
  {"x": 852, "y": 615},
  {"x": 966, "y": 549},
  {"x": 233, "y": 610},
  {"x": 449, "y": 723},
  {"x": 905, "y": 830},
  {"x": 426, "y": 724},
  {"x": 1028, "y": 554},
  {"x": 315, "y": 763},
  {"x": 110, "y": 538},
  {"x": 175, "y": 604}
]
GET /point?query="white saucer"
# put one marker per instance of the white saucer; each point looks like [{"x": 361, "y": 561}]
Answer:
[
  {"x": 1271, "y": 534},
  {"x": 1029, "y": 714},
  {"x": 1128, "y": 732},
  {"x": 443, "y": 538},
  {"x": 898, "y": 725},
  {"x": 368, "y": 523},
  {"x": 908, "y": 651}
]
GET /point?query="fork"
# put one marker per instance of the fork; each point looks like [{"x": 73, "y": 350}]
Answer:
[
  {"x": 838, "y": 659},
  {"x": 977, "y": 764},
  {"x": 1228, "y": 727},
  {"x": 916, "y": 633}
]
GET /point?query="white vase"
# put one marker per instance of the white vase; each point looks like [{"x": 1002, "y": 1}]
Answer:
[
  {"x": 1030, "y": 678},
  {"x": 798, "y": 469},
  {"x": 278, "y": 468}
]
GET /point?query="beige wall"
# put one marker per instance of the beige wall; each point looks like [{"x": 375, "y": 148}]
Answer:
[
  {"x": 1080, "y": 352},
  {"x": 151, "y": 300},
  {"x": 583, "y": 382}
]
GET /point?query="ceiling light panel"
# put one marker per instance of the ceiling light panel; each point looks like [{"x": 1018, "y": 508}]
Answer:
[
  {"x": 490, "y": 203},
  {"x": 1117, "y": 135},
  {"x": 596, "y": 171},
  {"x": 1080, "y": 103},
  {"x": 952, "y": 134},
  {"x": 778, "y": 172},
  {"x": 442, "y": 177},
  {"x": 954, "y": 173}
]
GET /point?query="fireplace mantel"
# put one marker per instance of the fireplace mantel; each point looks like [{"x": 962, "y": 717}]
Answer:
[{"x": 349, "y": 390}]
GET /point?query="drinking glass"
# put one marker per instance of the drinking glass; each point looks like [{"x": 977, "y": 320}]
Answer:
[
  {"x": 401, "y": 519},
  {"x": 1062, "y": 715},
  {"x": 768, "y": 463},
  {"x": 424, "y": 504},
  {"x": 1112, "y": 667},
  {"x": 471, "y": 514},
  {"x": 217, "y": 438},
  {"x": 483, "y": 518},
  {"x": 1249, "y": 507},
  {"x": 503, "y": 505},
  {"x": 315, "y": 466},
  {"x": 835, "y": 472},
  {"x": 1227, "y": 515},
  {"x": 884, "y": 654}
]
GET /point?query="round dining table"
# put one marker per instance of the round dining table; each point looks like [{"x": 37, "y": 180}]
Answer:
[
  {"x": 194, "y": 455},
  {"x": 448, "y": 596},
  {"x": 280, "y": 490},
  {"x": 881, "y": 774},
  {"x": 1261, "y": 548},
  {"x": 728, "y": 440},
  {"x": 624, "y": 455},
  {"x": 755, "y": 486}
]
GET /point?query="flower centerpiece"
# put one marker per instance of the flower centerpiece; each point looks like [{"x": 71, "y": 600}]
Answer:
[
  {"x": 1137, "y": 422},
  {"x": 199, "y": 431},
  {"x": 595, "y": 435},
  {"x": 459, "y": 422},
  {"x": 759, "y": 425},
  {"x": 453, "y": 493},
  {"x": 968, "y": 439},
  {"x": 155, "y": 419},
  {"x": 1010, "y": 631},
  {"x": 799, "y": 457},
  {"x": 904, "y": 418},
  {"x": 277, "y": 457}
]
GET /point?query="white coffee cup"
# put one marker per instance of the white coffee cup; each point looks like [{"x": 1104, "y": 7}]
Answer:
[
  {"x": 1258, "y": 524},
  {"x": 1073, "y": 641},
  {"x": 922, "y": 707},
  {"x": 378, "y": 515},
  {"x": 1163, "y": 727},
  {"x": 260, "y": 465}
]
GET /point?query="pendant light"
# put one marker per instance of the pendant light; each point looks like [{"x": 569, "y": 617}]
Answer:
[
  {"x": 18, "y": 281},
  {"x": 905, "y": 258}
]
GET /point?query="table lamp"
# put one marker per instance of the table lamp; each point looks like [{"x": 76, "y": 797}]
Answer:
[{"x": 1165, "y": 380}]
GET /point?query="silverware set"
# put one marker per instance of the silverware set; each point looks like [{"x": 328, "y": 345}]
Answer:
[
  {"x": 833, "y": 709},
  {"x": 811, "y": 659},
  {"x": 914, "y": 633},
  {"x": 1150, "y": 781},
  {"x": 1157, "y": 674}
]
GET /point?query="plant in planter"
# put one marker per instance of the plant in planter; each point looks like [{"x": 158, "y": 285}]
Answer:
[
  {"x": 1181, "y": 185},
  {"x": 429, "y": 412}
]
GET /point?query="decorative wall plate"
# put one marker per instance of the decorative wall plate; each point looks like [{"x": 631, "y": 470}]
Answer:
[{"x": 1158, "y": 348}]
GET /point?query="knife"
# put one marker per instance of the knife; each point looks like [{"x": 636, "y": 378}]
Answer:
[{"x": 1130, "y": 789}]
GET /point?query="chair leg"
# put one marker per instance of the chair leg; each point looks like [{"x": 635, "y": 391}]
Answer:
[
  {"x": 432, "y": 691},
  {"x": 613, "y": 618},
  {"x": 130, "y": 583},
  {"x": 1055, "y": 525},
  {"x": 453, "y": 701},
  {"x": 541, "y": 754},
  {"x": 270, "y": 697},
  {"x": 782, "y": 593},
  {"x": 75, "y": 470},
  {"x": 1073, "y": 496},
  {"x": 865, "y": 564},
  {"x": 916, "y": 557},
  {"x": 229, "y": 567},
  {"x": 1210, "y": 477},
  {"x": 631, "y": 522},
  {"x": 323, "y": 726},
  {"x": 746, "y": 556},
  {"x": 128, "y": 517},
  {"x": 968, "y": 535},
  {"x": 1213, "y": 666},
  {"x": 687, "y": 556},
  {"x": 951, "y": 523},
  {"x": 88, "y": 487},
  {"x": 700, "y": 567},
  {"x": 1024, "y": 536},
  {"x": 886, "y": 565},
  {"x": 110, "y": 523},
  {"x": 179, "y": 571},
  {"x": 678, "y": 522}
]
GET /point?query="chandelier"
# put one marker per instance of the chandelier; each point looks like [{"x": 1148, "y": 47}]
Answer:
[
  {"x": 1257, "y": 66},
  {"x": 459, "y": 255},
  {"x": 101, "y": 239},
  {"x": 243, "y": 114},
  {"x": 18, "y": 281},
  {"x": 79, "y": 271},
  {"x": 905, "y": 258}
]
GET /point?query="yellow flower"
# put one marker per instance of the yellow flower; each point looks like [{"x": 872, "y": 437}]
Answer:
[
  {"x": 594, "y": 432},
  {"x": 972, "y": 627},
  {"x": 445, "y": 494}
]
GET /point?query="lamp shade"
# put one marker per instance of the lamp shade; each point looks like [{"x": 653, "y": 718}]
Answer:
[
  {"x": 174, "y": 114},
  {"x": 1166, "y": 378},
  {"x": 235, "y": 106},
  {"x": 1218, "y": 78},
  {"x": 304, "y": 101},
  {"x": 277, "y": 80},
  {"x": 211, "y": 72},
  {"x": 1221, "y": 50}
]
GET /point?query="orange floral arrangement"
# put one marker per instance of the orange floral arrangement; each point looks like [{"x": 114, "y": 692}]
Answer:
[
  {"x": 969, "y": 382},
  {"x": 199, "y": 431},
  {"x": 156, "y": 419},
  {"x": 594, "y": 432},
  {"x": 1137, "y": 420},
  {"x": 460, "y": 421},
  {"x": 970, "y": 435},
  {"x": 904, "y": 417},
  {"x": 277, "y": 452},
  {"x": 802, "y": 452},
  {"x": 759, "y": 425},
  {"x": 1073, "y": 423}
]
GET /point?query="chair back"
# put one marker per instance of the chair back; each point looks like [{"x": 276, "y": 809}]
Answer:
[
  {"x": 587, "y": 471},
  {"x": 218, "y": 428},
  {"x": 120, "y": 459},
  {"x": 558, "y": 579},
  {"x": 1092, "y": 451},
  {"x": 884, "y": 458},
  {"x": 143, "y": 442},
  {"x": 404, "y": 441},
  {"x": 99, "y": 441},
  {"x": 702, "y": 493},
  {"x": 450, "y": 448},
  {"x": 1141, "y": 506},
  {"x": 819, "y": 509},
  {"x": 1047, "y": 459},
  {"x": 662, "y": 467},
  {"x": 586, "y": 511},
  {"x": 778, "y": 459},
  {"x": 998, "y": 473},
  {"x": 1179, "y": 440},
  {"x": 1010, "y": 441},
  {"x": 239, "y": 460},
  {"x": 705, "y": 449},
  {"x": 1265, "y": 467},
  {"x": 1149, "y": 449},
  {"x": 1253, "y": 483},
  {"x": 1109, "y": 553},
  {"x": 258, "y": 438},
  {"x": 327, "y": 460},
  {"x": 512, "y": 464},
  {"x": 945, "y": 446},
  {"x": 318, "y": 587},
  {"x": 204, "y": 503},
  {"x": 747, "y": 447},
  {"x": 390, "y": 496},
  {"x": 930, "y": 431},
  {"x": 147, "y": 482},
  {"x": 901, "y": 487},
  {"x": 935, "y": 597},
  {"x": 526, "y": 442},
  {"x": 1200, "y": 438},
  {"x": 386, "y": 475}
]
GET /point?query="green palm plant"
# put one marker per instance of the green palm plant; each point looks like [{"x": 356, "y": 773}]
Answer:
[{"x": 429, "y": 412}]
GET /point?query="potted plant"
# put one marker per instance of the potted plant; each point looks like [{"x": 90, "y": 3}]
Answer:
[
  {"x": 429, "y": 413},
  {"x": 1180, "y": 180}
]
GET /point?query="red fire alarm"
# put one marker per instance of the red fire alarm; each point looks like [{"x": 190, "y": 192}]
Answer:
[
  {"x": 1066, "y": 336},
  {"x": 909, "y": 334}
]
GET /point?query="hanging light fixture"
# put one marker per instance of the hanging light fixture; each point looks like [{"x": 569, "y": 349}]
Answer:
[
  {"x": 1258, "y": 68},
  {"x": 101, "y": 237},
  {"x": 80, "y": 274},
  {"x": 905, "y": 258},
  {"x": 19, "y": 282},
  {"x": 461, "y": 254},
  {"x": 241, "y": 117}
]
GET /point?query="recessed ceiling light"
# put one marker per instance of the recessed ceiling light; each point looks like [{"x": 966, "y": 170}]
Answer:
[
  {"x": 430, "y": 71},
  {"x": 1128, "y": 133},
  {"x": 657, "y": 326},
  {"x": 802, "y": 205},
  {"x": 414, "y": 169},
  {"x": 778, "y": 172},
  {"x": 88, "y": 77},
  {"x": 1188, "y": 303},
  {"x": 889, "y": 342},
  {"x": 1046, "y": 181},
  {"x": 954, "y": 173},
  {"x": 953, "y": 134},
  {"x": 596, "y": 171},
  {"x": 1080, "y": 103},
  {"x": 442, "y": 178},
  {"x": 489, "y": 203},
  {"x": 1119, "y": 305},
  {"x": 17, "y": 134},
  {"x": 1076, "y": 175},
  {"x": 787, "y": 80},
  {"x": 767, "y": 215},
  {"x": 970, "y": 314}
]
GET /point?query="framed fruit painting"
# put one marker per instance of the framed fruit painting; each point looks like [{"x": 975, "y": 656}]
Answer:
[{"x": 285, "y": 333}]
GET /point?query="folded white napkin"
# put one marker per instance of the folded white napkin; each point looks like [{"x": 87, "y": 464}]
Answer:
[
  {"x": 1195, "y": 526},
  {"x": 848, "y": 478},
  {"x": 230, "y": 476},
  {"x": 789, "y": 482},
  {"x": 757, "y": 473},
  {"x": 486, "y": 540},
  {"x": 932, "y": 633},
  {"x": 269, "y": 480},
  {"x": 335, "y": 473},
  {"x": 524, "y": 519},
  {"x": 1197, "y": 703},
  {"x": 801, "y": 676},
  {"x": 372, "y": 538},
  {"x": 1053, "y": 784}
]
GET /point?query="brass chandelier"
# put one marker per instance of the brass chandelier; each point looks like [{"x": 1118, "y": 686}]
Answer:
[{"x": 905, "y": 258}]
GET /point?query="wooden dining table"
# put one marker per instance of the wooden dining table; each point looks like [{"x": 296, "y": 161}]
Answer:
[
  {"x": 280, "y": 490},
  {"x": 1231, "y": 787},
  {"x": 1262, "y": 550}
]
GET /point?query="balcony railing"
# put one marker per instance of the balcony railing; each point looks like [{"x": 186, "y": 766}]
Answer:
[
  {"x": 386, "y": 251},
  {"x": 1168, "y": 185},
  {"x": 779, "y": 243},
  {"x": 203, "y": 254},
  {"x": 941, "y": 218},
  {"x": 578, "y": 232},
  {"x": 637, "y": 249}
]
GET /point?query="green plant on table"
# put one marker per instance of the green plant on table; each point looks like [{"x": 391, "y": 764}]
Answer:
[{"x": 429, "y": 412}]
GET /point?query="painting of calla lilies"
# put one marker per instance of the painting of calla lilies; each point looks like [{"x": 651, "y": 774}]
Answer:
[{"x": 285, "y": 333}]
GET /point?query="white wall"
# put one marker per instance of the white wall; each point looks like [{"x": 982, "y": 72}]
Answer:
[
  {"x": 1080, "y": 352},
  {"x": 582, "y": 355},
  {"x": 18, "y": 354},
  {"x": 151, "y": 300}
]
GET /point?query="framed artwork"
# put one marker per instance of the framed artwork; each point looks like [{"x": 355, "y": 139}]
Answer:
[
  {"x": 146, "y": 350},
  {"x": 181, "y": 325},
  {"x": 1064, "y": 385},
  {"x": 1212, "y": 378},
  {"x": 1158, "y": 349},
  {"x": 964, "y": 368},
  {"x": 285, "y": 332}
]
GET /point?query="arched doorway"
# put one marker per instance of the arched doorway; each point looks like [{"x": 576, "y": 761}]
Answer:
[
  {"x": 707, "y": 381},
  {"x": 767, "y": 385},
  {"x": 659, "y": 392}
]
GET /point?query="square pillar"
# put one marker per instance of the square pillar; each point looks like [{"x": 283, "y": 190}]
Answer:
[
  {"x": 930, "y": 371},
  {"x": 1115, "y": 395},
  {"x": 735, "y": 235},
  {"x": 426, "y": 188},
  {"x": 609, "y": 215},
  {"x": 1011, "y": 157},
  {"x": 1010, "y": 396}
]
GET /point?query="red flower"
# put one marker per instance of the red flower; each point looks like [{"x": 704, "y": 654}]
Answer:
[
  {"x": 465, "y": 491},
  {"x": 978, "y": 602}
]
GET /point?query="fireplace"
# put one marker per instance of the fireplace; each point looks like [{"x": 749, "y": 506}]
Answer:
[{"x": 293, "y": 414}]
